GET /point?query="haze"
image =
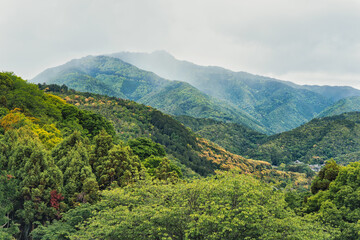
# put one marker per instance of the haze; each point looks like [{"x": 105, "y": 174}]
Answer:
[{"x": 308, "y": 42}]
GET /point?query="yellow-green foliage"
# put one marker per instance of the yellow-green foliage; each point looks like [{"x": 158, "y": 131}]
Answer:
[
  {"x": 48, "y": 133},
  {"x": 223, "y": 207},
  {"x": 337, "y": 202}
]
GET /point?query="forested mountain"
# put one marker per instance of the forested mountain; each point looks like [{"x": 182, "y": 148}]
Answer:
[
  {"x": 132, "y": 120},
  {"x": 57, "y": 159},
  {"x": 320, "y": 139},
  {"x": 67, "y": 172},
  {"x": 336, "y": 137},
  {"x": 233, "y": 137},
  {"x": 113, "y": 77},
  {"x": 333, "y": 93},
  {"x": 278, "y": 105},
  {"x": 351, "y": 104}
]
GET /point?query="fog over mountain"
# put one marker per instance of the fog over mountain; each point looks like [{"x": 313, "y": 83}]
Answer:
[
  {"x": 265, "y": 104},
  {"x": 167, "y": 66}
]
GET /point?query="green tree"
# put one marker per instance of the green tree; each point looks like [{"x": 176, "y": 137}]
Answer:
[
  {"x": 72, "y": 157},
  {"x": 121, "y": 167},
  {"x": 162, "y": 168},
  {"x": 326, "y": 175},
  {"x": 42, "y": 176},
  {"x": 9, "y": 192},
  {"x": 145, "y": 147},
  {"x": 339, "y": 205},
  {"x": 6, "y": 83},
  {"x": 103, "y": 143},
  {"x": 225, "y": 207}
]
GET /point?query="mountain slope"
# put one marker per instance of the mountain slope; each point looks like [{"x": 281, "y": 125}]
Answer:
[
  {"x": 113, "y": 77},
  {"x": 351, "y": 104},
  {"x": 233, "y": 137},
  {"x": 103, "y": 75},
  {"x": 334, "y": 93},
  {"x": 132, "y": 120},
  {"x": 278, "y": 105},
  {"x": 48, "y": 111},
  {"x": 320, "y": 139}
]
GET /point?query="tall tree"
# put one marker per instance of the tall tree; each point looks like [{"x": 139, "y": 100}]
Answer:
[
  {"x": 72, "y": 157},
  {"x": 121, "y": 167},
  {"x": 41, "y": 176}
]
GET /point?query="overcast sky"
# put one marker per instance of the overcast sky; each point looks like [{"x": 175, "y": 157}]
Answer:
[{"x": 305, "y": 41}]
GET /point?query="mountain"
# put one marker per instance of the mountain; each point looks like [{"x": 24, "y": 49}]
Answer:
[
  {"x": 114, "y": 77},
  {"x": 333, "y": 93},
  {"x": 50, "y": 114},
  {"x": 278, "y": 105},
  {"x": 320, "y": 139},
  {"x": 233, "y": 137},
  {"x": 66, "y": 174},
  {"x": 351, "y": 104},
  {"x": 131, "y": 120}
]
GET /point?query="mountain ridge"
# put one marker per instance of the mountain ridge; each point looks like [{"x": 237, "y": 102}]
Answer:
[
  {"x": 114, "y": 77},
  {"x": 265, "y": 104},
  {"x": 351, "y": 104},
  {"x": 279, "y": 105}
]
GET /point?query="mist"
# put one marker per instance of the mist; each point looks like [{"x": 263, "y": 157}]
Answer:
[{"x": 308, "y": 42}]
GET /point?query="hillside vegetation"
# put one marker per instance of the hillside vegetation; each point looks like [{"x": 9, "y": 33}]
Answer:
[
  {"x": 57, "y": 159},
  {"x": 227, "y": 206},
  {"x": 312, "y": 143},
  {"x": 351, "y": 104},
  {"x": 235, "y": 138},
  {"x": 132, "y": 120},
  {"x": 67, "y": 172},
  {"x": 335, "y": 137},
  {"x": 54, "y": 156}
]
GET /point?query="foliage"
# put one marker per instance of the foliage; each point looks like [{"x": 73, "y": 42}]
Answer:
[
  {"x": 350, "y": 104},
  {"x": 144, "y": 148},
  {"x": 326, "y": 175},
  {"x": 235, "y": 138},
  {"x": 72, "y": 157},
  {"x": 338, "y": 206},
  {"x": 314, "y": 142},
  {"x": 64, "y": 175},
  {"x": 228, "y": 207},
  {"x": 41, "y": 174},
  {"x": 8, "y": 194},
  {"x": 50, "y": 112},
  {"x": 132, "y": 120},
  {"x": 119, "y": 168}
]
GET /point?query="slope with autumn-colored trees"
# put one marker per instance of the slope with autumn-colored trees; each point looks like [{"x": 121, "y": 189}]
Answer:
[
  {"x": 133, "y": 120},
  {"x": 55, "y": 156}
]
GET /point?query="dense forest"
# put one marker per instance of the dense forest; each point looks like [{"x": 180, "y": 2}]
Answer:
[
  {"x": 234, "y": 137},
  {"x": 79, "y": 165},
  {"x": 351, "y": 104},
  {"x": 54, "y": 156},
  {"x": 132, "y": 120},
  {"x": 315, "y": 142},
  {"x": 312, "y": 143}
]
